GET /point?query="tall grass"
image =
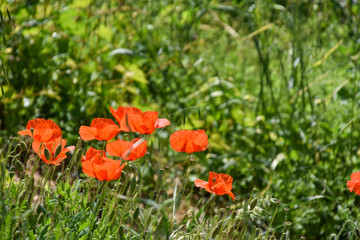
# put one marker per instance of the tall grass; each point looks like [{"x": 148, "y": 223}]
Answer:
[{"x": 61, "y": 204}]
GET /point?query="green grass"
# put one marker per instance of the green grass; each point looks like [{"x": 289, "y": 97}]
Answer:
[
  {"x": 61, "y": 204},
  {"x": 273, "y": 83}
]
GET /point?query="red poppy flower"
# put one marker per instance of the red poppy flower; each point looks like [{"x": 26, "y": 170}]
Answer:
[
  {"x": 132, "y": 119},
  {"x": 39, "y": 148},
  {"x": 354, "y": 183},
  {"x": 129, "y": 151},
  {"x": 96, "y": 164},
  {"x": 43, "y": 130},
  {"x": 102, "y": 129},
  {"x": 189, "y": 141},
  {"x": 219, "y": 184}
]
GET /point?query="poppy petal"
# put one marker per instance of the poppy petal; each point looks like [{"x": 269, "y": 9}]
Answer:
[
  {"x": 42, "y": 130},
  {"x": 43, "y": 134},
  {"x": 118, "y": 114},
  {"x": 354, "y": 186},
  {"x": 58, "y": 159},
  {"x": 118, "y": 171},
  {"x": 178, "y": 140},
  {"x": 162, "y": 122},
  {"x": 101, "y": 167},
  {"x": 88, "y": 133},
  {"x": 25, "y": 132},
  {"x": 231, "y": 195},
  {"x": 108, "y": 132},
  {"x": 87, "y": 168},
  {"x": 355, "y": 176},
  {"x": 100, "y": 173},
  {"x": 36, "y": 123},
  {"x": 203, "y": 184},
  {"x": 113, "y": 148},
  {"x": 201, "y": 140},
  {"x": 149, "y": 120},
  {"x": 227, "y": 180},
  {"x": 127, "y": 150},
  {"x": 36, "y": 147},
  {"x": 131, "y": 119},
  {"x": 70, "y": 148},
  {"x": 101, "y": 122},
  {"x": 189, "y": 141},
  {"x": 212, "y": 178}
]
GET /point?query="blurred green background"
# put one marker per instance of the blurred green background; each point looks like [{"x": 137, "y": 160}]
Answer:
[{"x": 274, "y": 84}]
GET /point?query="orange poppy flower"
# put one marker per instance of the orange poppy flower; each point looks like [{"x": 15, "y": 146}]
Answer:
[
  {"x": 354, "y": 183},
  {"x": 132, "y": 119},
  {"x": 96, "y": 164},
  {"x": 43, "y": 130},
  {"x": 219, "y": 184},
  {"x": 102, "y": 129},
  {"x": 189, "y": 141},
  {"x": 128, "y": 151},
  {"x": 39, "y": 148}
]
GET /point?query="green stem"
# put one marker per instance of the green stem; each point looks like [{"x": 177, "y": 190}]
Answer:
[{"x": 207, "y": 207}]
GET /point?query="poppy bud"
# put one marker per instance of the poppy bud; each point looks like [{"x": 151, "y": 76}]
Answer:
[
  {"x": 30, "y": 198},
  {"x": 136, "y": 213},
  {"x": 11, "y": 172},
  {"x": 22, "y": 196},
  {"x": 216, "y": 232},
  {"x": 126, "y": 137},
  {"x": 31, "y": 183},
  {"x": 121, "y": 233},
  {"x": 40, "y": 219},
  {"x": 111, "y": 216},
  {"x": 77, "y": 155},
  {"x": 40, "y": 209},
  {"x": 47, "y": 153},
  {"x": 357, "y": 231},
  {"x": 14, "y": 158},
  {"x": 17, "y": 147},
  {"x": 19, "y": 166},
  {"x": 58, "y": 150},
  {"x": 18, "y": 235},
  {"x": 23, "y": 146},
  {"x": 253, "y": 204}
]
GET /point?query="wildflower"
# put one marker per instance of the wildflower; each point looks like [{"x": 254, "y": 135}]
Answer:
[
  {"x": 96, "y": 164},
  {"x": 189, "y": 141},
  {"x": 102, "y": 129},
  {"x": 132, "y": 119},
  {"x": 52, "y": 152},
  {"x": 219, "y": 184},
  {"x": 43, "y": 130},
  {"x": 129, "y": 151},
  {"x": 354, "y": 183}
]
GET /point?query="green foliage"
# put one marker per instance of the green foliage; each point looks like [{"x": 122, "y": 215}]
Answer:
[
  {"x": 273, "y": 83},
  {"x": 76, "y": 208}
]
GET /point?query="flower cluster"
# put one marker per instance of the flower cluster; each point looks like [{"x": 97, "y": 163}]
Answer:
[
  {"x": 190, "y": 141},
  {"x": 95, "y": 163},
  {"x": 50, "y": 147},
  {"x": 47, "y": 143}
]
